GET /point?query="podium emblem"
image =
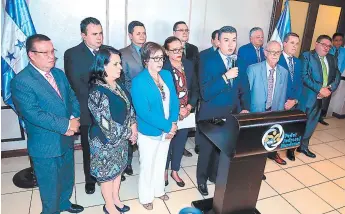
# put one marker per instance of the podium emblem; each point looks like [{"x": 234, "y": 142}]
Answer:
[{"x": 273, "y": 137}]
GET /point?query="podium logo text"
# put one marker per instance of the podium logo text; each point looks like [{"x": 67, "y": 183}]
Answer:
[{"x": 273, "y": 137}]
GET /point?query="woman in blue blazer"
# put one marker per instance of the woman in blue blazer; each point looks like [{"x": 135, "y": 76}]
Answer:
[
  {"x": 187, "y": 91},
  {"x": 157, "y": 108}
]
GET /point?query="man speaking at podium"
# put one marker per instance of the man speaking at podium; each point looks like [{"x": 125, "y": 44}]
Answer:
[{"x": 224, "y": 91}]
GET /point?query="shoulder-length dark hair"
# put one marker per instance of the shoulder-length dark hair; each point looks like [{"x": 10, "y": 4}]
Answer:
[{"x": 102, "y": 59}]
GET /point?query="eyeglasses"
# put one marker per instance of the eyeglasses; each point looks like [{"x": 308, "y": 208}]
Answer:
[
  {"x": 176, "y": 51},
  {"x": 157, "y": 59},
  {"x": 45, "y": 53},
  {"x": 325, "y": 45},
  {"x": 274, "y": 53},
  {"x": 183, "y": 30}
]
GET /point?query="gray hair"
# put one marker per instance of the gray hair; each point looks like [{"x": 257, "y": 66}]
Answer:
[
  {"x": 254, "y": 29},
  {"x": 226, "y": 29},
  {"x": 273, "y": 42}
]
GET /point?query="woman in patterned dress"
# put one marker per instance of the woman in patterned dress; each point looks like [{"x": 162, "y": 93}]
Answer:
[{"x": 113, "y": 125}]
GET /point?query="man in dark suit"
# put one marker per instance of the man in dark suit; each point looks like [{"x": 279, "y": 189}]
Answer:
[
  {"x": 320, "y": 76},
  {"x": 132, "y": 65},
  {"x": 214, "y": 42},
  {"x": 224, "y": 91},
  {"x": 253, "y": 52},
  {"x": 191, "y": 52},
  {"x": 46, "y": 102},
  {"x": 294, "y": 66},
  {"x": 77, "y": 62}
]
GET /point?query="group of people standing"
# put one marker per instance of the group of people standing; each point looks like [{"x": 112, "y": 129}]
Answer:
[{"x": 117, "y": 99}]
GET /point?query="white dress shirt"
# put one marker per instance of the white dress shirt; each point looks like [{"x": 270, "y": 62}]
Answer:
[{"x": 287, "y": 58}]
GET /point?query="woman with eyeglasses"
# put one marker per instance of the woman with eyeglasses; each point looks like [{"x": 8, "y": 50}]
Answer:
[
  {"x": 156, "y": 105},
  {"x": 113, "y": 124},
  {"x": 186, "y": 86}
]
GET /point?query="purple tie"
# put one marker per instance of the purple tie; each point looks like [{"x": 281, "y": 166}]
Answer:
[{"x": 270, "y": 89}]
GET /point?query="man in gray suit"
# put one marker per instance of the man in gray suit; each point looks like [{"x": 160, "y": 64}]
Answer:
[
  {"x": 268, "y": 85},
  {"x": 320, "y": 76},
  {"x": 132, "y": 65}
]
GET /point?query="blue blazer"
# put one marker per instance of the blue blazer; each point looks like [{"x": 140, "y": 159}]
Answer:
[
  {"x": 148, "y": 105},
  {"x": 207, "y": 51},
  {"x": 219, "y": 99},
  {"x": 313, "y": 79},
  {"x": 257, "y": 75},
  {"x": 45, "y": 114},
  {"x": 192, "y": 82},
  {"x": 294, "y": 86},
  {"x": 247, "y": 53},
  {"x": 341, "y": 58}
]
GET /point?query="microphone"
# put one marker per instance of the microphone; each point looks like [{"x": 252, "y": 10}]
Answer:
[{"x": 233, "y": 59}]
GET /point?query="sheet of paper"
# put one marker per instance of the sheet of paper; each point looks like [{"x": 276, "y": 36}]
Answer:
[{"x": 188, "y": 122}]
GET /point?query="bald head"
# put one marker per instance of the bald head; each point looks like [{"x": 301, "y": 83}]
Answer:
[{"x": 272, "y": 53}]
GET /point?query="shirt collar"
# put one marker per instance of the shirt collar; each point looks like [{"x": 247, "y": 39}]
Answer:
[
  {"x": 91, "y": 48},
  {"x": 286, "y": 56},
  {"x": 224, "y": 57},
  {"x": 39, "y": 70},
  {"x": 136, "y": 47},
  {"x": 269, "y": 67}
]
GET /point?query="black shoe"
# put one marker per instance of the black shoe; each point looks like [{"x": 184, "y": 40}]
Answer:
[
  {"x": 89, "y": 188},
  {"x": 263, "y": 177},
  {"x": 129, "y": 170},
  {"x": 179, "y": 183},
  {"x": 123, "y": 178},
  {"x": 75, "y": 208},
  {"x": 307, "y": 152},
  {"x": 187, "y": 153},
  {"x": 166, "y": 183},
  {"x": 123, "y": 209},
  {"x": 105, "y": 210},
  {"x": 203, "y": 189},
  {"x": 290, "y": 154},
  {"x": 323, "y": 122},
  {"x": 196, "y": 149}
]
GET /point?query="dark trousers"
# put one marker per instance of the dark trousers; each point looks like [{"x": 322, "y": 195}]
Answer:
[
  {"x": 130, "y": 153},
  {"x": 324, "y": 106},
  {"x": 55, "y": 178},
  {"x": 176, "y": 149},
  {"x": 313, "y": 115},
  {"x": 84, "y": 131},
  {"x": 208, "y": 159}
]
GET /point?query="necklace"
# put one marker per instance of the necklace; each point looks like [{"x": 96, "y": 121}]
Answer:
[{"x": 160, "y": 86}]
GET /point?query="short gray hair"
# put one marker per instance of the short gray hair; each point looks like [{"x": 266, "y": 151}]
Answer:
[
  {"x": 273, "y": 42},
  {"x": 226, "y": 29},
  {"x": 254, "y": 29}
]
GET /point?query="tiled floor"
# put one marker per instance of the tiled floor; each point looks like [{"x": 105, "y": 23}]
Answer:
[{"x": 306, "y": 186}]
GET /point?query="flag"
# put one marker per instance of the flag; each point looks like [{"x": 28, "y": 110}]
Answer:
[
  {"x": 284, "y": 24},
  {"x": 17, "y": 26}
]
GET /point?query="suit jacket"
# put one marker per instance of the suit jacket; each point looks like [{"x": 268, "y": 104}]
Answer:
[
  {"x": 45, "y": 114},
  {"x": 341, "y": 58},
  {"x": 257, "y": 75},
  {"x": 77, "y": 63},
  {"x": 131, "y": 65},
  {"x": 192, "y": 53},
  {"x": 148, "y": 105},
  {"x": 192, "y": 85},
  {"x": 313, "y": 79},
  {"x": 219, "y": 99},
  {"x": 294, "y": 85},
  {"x": 205, "y": 52},
  {"x": 248, "y": 54}
]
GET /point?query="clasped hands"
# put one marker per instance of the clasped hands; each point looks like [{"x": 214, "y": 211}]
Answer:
[
  {"x": 172, "y": 131},
  {"x": 184, "y": 112},
  {"x": 74, "y": 125},
  {"x": 324, "y": 92}
]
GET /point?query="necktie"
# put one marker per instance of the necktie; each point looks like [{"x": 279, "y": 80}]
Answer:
[
  {"x": 229, "y": 66},
  {"x": 95, "y": 52},
  {"x": 324, "y": 71},
  {"x": 336, "y": 53},
  {"x": 270, "y": 89},
  {"x": 291, "y": 68},
  {"x": 258, "y": 54},
  {"x": 52, "y": 83}
]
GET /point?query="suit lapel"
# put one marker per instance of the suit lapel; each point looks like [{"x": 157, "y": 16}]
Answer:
[
  {"x": 90, "y": 57},
  {"x": 135, "y": 54},
  {"x": 317, "y": 59},
  {"x": 46, "y": 85},
  {"x": 60, "y": 85},
  {"x": 264, "y": 77},
  {"x": 276, "y": 87}
]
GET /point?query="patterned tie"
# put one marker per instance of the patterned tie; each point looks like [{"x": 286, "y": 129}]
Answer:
[
  {"x": 270, "y": 89},
  {"x": 258, "y": 54},
  {"x": 291, "y": 67},
  {"x": 229, "y": 66},
  {"x": 336, "y": 53},
  {"x": 95, "y": 52},
  {"x": 52, "y": 82},
  {"x": 324, "y": 71}
]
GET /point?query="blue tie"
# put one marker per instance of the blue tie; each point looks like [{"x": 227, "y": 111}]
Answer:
[
  {"x": 291, "y": 67},
  {"x": 229, "y": 66}
]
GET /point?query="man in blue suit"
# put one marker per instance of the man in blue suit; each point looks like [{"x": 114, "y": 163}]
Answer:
[
  {"x": 294, "y": 66},
  {"x": 224, "y": 91},
  {"x": 320, "y": 76},
  {"x": 50, "y": 110},
  {"x": 253, "y": 52},
  {"x": 268, "y": 85},
  {"x": 214, "y": 42},
  {"x": 338, "y": 51}
]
